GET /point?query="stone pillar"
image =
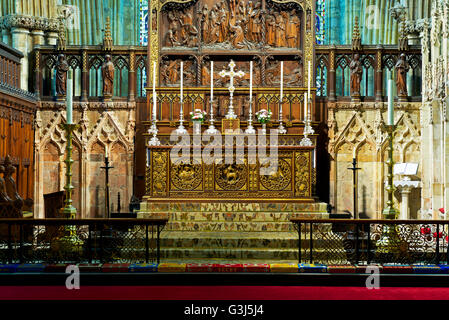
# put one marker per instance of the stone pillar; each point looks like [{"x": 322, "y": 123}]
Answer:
[
  {"x": 405, "y": 206},
  {"x": 38, "y": 37},
  {"x": 20, "y": 42},
  {"x": 52, "y": 38},
  {"x": 6, "y": 36}
]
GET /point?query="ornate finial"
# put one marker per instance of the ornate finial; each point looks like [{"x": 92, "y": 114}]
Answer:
[
  {"x": 403, "y": 39},
  {"x": 107, "y": 39},
  {"x": 356, "y": 38},
  {"x": 62, "y": 42}
]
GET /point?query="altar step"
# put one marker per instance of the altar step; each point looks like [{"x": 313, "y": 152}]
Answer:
[
  {"x": 245, "y": 246},
  {"x": 237, "y": 232}
]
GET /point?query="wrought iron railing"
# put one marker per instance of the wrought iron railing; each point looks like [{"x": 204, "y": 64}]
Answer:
[
  {"x": 80, "y": 240},
  {"x": 372, "y": 241}
]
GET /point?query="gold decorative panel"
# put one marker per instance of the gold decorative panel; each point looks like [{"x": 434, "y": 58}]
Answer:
[{"x": 291, "y": 180}]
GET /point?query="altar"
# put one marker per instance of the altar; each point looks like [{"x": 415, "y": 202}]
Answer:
[{"x": 289, "y": 178}]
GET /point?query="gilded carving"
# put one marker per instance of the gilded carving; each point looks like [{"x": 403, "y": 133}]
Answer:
[
  {"x": 279, "y": 178},
  {"x": 159, "y": 166},
  {"x": 231, "y": 177},
  {"x": 302, "y": 174},
  {"x": 186, "y": 176}
]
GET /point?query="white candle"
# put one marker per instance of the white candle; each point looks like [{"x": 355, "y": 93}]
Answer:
[
  {"x": 305, "y": 105},
  {"x": 182, "y": 76},
  {"x": 310, "y": 78},
  {"x": 390, "y": 103},
  {"x": 69, "y": 97},
  {"x": 282, "y": 81},
  {"x": 250, "y": 81},
  {"x": 106, "y": 153},
  {"x": 211, "y": 81},
  {"x": 154, "y": 90}
]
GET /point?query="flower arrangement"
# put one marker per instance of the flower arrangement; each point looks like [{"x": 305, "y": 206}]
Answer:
[
  {"x": 198, "y": 115},
  {"x": 263, "y": 116}
]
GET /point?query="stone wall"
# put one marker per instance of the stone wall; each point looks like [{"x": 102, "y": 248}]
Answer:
[
  {"x": 101, "y": 125},
  {"x": 355, "y": 131}
]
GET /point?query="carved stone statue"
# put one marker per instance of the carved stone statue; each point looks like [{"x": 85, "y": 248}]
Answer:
[
  {"x": 61, "y": 75},
  {"x": 402, "y": 67},
  {"x": 3, "y": 193},
  {"x": 107, "y": 71},
  {"x": 356, "y": 74}
]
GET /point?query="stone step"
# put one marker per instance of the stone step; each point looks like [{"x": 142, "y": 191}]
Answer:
[
  {"x": 185, "y": 239},
  {"x": 229, "y": 226},
  {"x": 262, "y": 254}
]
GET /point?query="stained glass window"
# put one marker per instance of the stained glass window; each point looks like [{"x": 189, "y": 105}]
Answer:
[
  {"x": 143, "y": 22},
  {"x": 320, "y": 21}
]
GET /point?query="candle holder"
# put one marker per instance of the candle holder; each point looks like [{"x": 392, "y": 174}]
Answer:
[
  {"x": 281, "y": 127},
  {"x": 211, "y": 130},
  {"x": 308, "y": 130},
  {"x": 390, "y": 242},
  {"x": 181, "y": 129},
  {"x": 69, "y": 211},
  {"x": 154, "y": 141},
  {"x": 250, "y": 129}
]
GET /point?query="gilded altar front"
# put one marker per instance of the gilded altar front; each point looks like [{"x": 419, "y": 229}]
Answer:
[{"x": 289, "y": 178}]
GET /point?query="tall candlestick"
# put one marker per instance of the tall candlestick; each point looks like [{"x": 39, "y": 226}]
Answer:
[
  {"x": 250, "y": 81},
  {"x": 310, "y": 78},
  {"x": 211, "y": 81},
  {"x": 182, "y": 78},
  {"x": 69, "y": 97},
  {"x": 390, "y": 103},
  {"x": 154, "y": 90},
  {"x": 282, "y": 81},
  {"x": 305, "y": 105}
]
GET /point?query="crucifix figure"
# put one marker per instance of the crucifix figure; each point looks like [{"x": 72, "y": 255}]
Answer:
[{"x": 231, "y": 74}]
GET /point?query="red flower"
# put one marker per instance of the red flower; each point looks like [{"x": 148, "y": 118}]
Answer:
[
  {"x": 425, "y": 230},
  {"x": 441, "y": 210},
  {"x": 440, "y": 235}
]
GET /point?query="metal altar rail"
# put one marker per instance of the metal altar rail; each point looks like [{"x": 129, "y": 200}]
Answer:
[
  {"x": 80, "y": 240},
  {"x": 336, "y": 241}
]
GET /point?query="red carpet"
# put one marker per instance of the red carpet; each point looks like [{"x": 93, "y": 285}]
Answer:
[{"x": 219, "y": 293}]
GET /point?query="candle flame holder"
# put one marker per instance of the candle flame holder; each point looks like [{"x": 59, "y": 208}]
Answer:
[
  {"x": 308, "y": 130},
  {"x": 211, "y": 130},
  {"x": 250, "y": 129}
]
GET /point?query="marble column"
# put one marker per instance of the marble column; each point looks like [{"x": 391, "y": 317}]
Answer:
[
  {"x": 52, "y": 38},
  {"x": 6, "y": 36},
  {"x": 20, "y": 42},
  {"x": 38, "y": 37},
  {"x": 405, "y": 205}
]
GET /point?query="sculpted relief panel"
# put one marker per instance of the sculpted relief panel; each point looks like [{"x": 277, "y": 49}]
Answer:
[{"x": 232, "y": 24}]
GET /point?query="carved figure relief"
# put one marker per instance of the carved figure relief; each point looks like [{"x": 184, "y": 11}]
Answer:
[
  {"x": 107, "y": 71},
  {"x": 292, "y": 73},
  {"x": 170, "y": 72},
  {"x": 231, "y": 177},
  {"x": 402, "y": 67},
  {"x": 233, "y": 24},
  {"x": 181, "y": 29},
  {"x": 356, "y": 74},
  {"x": 61, "y": 75}
]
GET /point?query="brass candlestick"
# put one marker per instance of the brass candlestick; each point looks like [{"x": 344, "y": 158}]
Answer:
[
  {"x": 390, "y": 242},
  {"x": 69, "y": 211}
]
